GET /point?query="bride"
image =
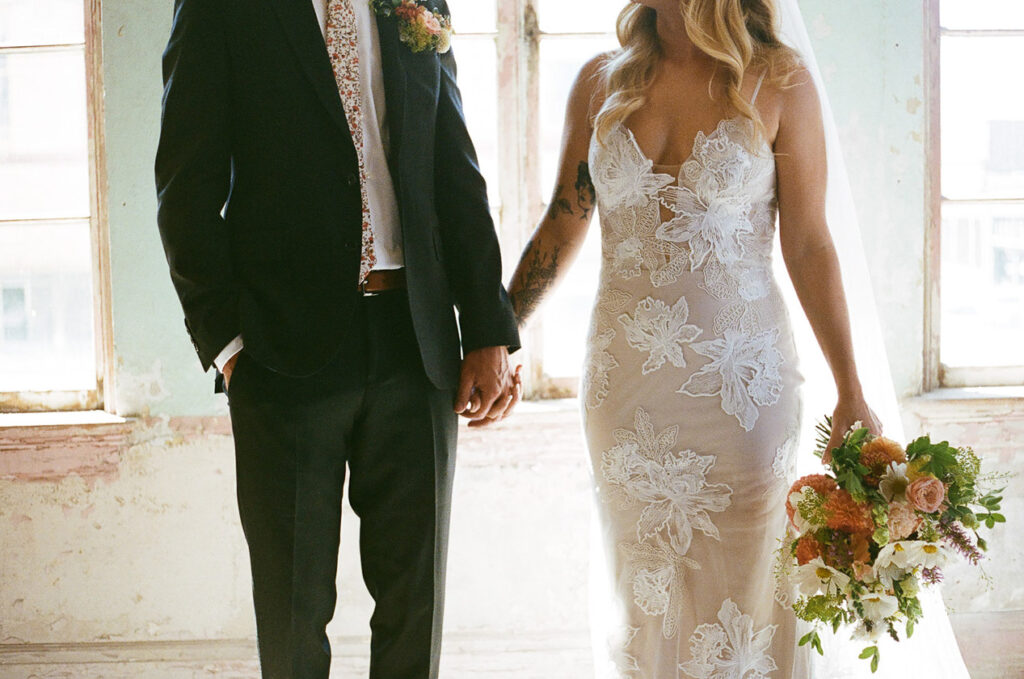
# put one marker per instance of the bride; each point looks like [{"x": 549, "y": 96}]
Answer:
[{"x": 690, "y": 140}]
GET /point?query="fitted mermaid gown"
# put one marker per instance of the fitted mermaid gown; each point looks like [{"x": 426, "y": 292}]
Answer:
[{"x": 691, "y": 411}]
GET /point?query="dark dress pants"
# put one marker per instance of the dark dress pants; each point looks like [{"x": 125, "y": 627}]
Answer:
[{"x": 395, "y": 432}]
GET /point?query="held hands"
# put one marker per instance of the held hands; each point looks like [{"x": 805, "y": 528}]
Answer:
[
  {"x": 850, "y": 410},
  {"x": 488, "y": 389}
]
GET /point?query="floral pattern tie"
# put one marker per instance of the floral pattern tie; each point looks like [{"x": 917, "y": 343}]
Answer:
[{"x": 342, "y": 47}]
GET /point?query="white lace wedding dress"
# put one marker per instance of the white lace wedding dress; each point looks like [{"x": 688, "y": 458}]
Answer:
[{"x": 691, "y": 409}]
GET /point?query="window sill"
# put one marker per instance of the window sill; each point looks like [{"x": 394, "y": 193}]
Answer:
[
  {"x": 84, "y": 418},
  {"x": 53, "y": 446},
  {"x": 968, "y": 404}
]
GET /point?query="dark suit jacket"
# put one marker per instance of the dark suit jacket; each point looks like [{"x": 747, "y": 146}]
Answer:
[{"x": 259, "y": 201}]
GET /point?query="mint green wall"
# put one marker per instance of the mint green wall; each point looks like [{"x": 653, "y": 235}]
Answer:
[
  {"x": 871, "y": 54},
  {"x": 157, "y": 370}
]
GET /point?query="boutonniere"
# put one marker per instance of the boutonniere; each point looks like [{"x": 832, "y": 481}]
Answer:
[{"x": 419, "y": 27}]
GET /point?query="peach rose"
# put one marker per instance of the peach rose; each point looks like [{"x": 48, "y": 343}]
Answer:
[
  {"x": 903, "y": 521},
  {"x": 926, "y": 494},
  {"x": 430, "y": 22}
]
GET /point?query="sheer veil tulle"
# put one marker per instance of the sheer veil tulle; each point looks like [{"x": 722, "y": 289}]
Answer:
[{"x": 932, "y": 651}]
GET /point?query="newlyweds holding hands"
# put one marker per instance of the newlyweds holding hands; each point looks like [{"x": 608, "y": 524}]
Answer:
[{"x": 323, "y": 214}]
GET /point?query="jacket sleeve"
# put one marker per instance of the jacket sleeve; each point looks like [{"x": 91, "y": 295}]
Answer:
[
  {"x": 472, "y": 255},
  {"x": 193, "y": 175}
]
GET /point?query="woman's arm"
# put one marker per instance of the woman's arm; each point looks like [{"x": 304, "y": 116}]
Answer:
[
  {"x": 559, "y": 236},
  {"x": 808, "y": 250}
]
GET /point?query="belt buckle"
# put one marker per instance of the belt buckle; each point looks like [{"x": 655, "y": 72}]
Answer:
[{"x": 367, "y": 293}]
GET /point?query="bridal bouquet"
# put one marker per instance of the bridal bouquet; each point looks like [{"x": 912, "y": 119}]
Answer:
[{"x": 884, "y": 522}]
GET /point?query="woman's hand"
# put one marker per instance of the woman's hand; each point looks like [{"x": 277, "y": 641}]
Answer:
[{"x": 849, "y": 411}]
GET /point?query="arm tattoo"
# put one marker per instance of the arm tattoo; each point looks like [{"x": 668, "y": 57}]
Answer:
[
  {"x": 586, "y": 195},
  {"x": 559, "y": 205},
  {"x": 534, "y": 281}
]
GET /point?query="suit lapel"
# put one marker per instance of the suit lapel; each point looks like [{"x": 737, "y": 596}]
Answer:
[
  {"x": 303, "y": 30},
  {"x": 394, "y": 86}
]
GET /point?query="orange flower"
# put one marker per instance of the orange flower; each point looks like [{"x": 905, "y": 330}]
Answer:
[
  {"x": 876, "y": 455},
  {"x": 822, "y": 484},
  {"x": 846, "y": 515},
  {"x": 807, "y": 549}
]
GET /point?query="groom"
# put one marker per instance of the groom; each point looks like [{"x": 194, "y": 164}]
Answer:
[{"x": 322, "y": 211}]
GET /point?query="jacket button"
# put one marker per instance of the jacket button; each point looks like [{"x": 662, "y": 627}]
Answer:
[
  {"x": 352, "y": 180},
  {"x": 350, "y": 245}
]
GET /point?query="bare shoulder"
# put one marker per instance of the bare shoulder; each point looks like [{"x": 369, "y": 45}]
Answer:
[
  {"x": 588, "y": 90},
  {"x": 799, "y": 97}
]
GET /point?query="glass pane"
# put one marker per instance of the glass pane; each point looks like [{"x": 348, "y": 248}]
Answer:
[
  {"x": 41, "y": 22},
  {"x": 596, "y": 16},
  {"x": 44, "y": 165},
  {"x": 976, "y": 14},
  {"x": 982, "y": 284},
  {"x": 982, "y": 119},
  {"x": 473, "y": 16},
  {"x": 478, "y": 82},
  {"x": 566, "y": 315},
  {"x": 46, "y": 338}
]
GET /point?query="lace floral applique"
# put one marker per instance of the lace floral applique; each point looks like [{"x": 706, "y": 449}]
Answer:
[
  {"x": 744, "y": 370},
  {"x": 657, "y": 573},
  {"x": 671, "y": 486},
  {"x": 623, "y": 177},
  {"x": 596, "y": 380},
  {"x": 630, "y": 245},
  {"x": 785, "y": 455},
  {"x": 661, "y": 330},
  {"x": 622, "y": 664},
  {"x": 730, "y": 649},
  {"x": 713, "y": 206}
]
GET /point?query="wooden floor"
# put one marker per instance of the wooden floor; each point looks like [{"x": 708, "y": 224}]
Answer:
[{"x": 992, "y": 645}]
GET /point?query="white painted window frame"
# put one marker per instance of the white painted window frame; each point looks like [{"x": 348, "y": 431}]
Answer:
[
  {"x": 937, "y": 374},
  {"x": 43, "y": 401}
]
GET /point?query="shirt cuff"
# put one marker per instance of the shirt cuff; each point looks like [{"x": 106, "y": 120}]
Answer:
[{"x": 226, "y": 354}]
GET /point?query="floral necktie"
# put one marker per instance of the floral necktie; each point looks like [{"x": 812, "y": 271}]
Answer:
[{"x": 342, "y": 42}]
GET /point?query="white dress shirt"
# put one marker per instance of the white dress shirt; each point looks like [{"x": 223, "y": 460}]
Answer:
[{"x": 380, "y": 189}]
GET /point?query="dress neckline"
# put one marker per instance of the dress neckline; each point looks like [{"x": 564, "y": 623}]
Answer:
[{"x": 697, "y": 141}]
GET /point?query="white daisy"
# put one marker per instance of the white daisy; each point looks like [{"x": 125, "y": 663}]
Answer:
[
  {"x": 893, "y": 485},
  {"x": 878, "y": 606},
  {"x": 816, "y": 576}
]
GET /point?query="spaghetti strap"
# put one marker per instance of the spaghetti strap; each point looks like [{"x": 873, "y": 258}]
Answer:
[{"x": 760, "y": 81}]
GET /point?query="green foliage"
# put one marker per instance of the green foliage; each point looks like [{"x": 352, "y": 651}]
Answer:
[
  {"x": 871, "y": 652},
  {"x": 814, "y": 640},
  {"x": 823, "y": 434}
]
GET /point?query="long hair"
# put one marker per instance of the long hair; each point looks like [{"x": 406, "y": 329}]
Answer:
[{"x": 739, "y": 35}]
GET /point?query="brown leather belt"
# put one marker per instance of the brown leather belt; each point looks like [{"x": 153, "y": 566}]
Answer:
[{"x": 383, "y": 280}]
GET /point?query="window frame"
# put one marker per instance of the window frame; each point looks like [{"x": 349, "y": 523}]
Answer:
[
  {"x": 92, "y": 399},
  {"x": 938, "y": 375},
  {"x": 518, "y": 36}
]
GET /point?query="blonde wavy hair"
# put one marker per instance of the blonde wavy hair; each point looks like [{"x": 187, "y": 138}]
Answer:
[{"x": 738, "y": 34}]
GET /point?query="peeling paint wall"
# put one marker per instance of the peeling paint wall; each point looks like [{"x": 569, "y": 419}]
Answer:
[
  {"x": 157, "y": 370},
  {"x": 871, "y": 55}
]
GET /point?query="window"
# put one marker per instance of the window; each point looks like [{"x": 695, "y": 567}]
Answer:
[
  {"x": 517, "y": 61},
  {"x": 981, "y": 206},
  {"x": 47, "y": 207}
]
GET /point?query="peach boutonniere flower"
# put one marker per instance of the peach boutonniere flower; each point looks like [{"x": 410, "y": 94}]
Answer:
[{"x": 419, "y": 27}]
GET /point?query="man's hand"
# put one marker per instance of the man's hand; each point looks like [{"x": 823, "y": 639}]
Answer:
[
  {"x": 229, "y": 368},
  {"x": 488, "y": 390}
]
